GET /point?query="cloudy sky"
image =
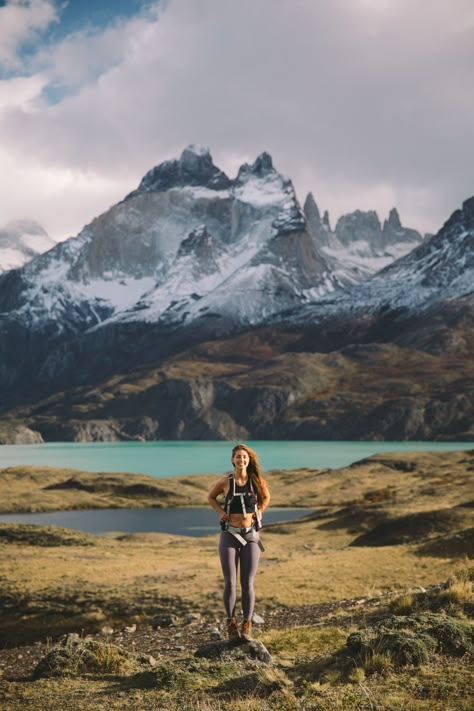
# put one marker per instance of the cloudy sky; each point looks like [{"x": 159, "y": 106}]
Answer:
[{"x": 367, "y": 103}]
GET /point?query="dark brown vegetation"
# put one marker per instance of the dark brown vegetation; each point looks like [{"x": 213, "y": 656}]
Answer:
[{"x": 362, "y": 382}]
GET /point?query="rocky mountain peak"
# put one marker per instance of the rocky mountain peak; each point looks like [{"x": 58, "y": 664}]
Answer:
[
  {"x": 358, "y": 225},
  {"x": 195, "y": 167},
  {"x": 468, "y": 210},
  {"x": 326, "y": 222},
  {"x": 393, "y": 231},
  {"x": 261, "y": 167},
  {"x": 311, "y": 211},
  {"x": 393, "y": 219},
  {"x": 291, "y": 219}
]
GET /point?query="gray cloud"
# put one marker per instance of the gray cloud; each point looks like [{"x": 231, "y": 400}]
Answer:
[
  {"x": 20, "y": 21},
  {"x": 366, "y": 103}
]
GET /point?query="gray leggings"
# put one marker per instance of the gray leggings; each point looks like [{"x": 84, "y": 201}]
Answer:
[{"x": 231, "y": 552}]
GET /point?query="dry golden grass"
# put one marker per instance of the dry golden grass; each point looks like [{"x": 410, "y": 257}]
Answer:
[
  {"x": 289, "y": 573},
  {"x": 305, "y": 562},
  {"x": 400, "y": 482},
  {"x": 120, "y": 579}
]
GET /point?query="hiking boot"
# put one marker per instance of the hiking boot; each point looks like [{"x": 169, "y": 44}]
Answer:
[
  {"x": 246, "y": 631},
  {"x": 232, "y": 629}
]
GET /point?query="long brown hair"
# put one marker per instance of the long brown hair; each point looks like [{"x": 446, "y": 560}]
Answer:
[{"x": 254, "y": 470}]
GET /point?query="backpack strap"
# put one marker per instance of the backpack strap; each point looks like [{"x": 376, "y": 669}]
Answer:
[{"x": 230, "y": 492}]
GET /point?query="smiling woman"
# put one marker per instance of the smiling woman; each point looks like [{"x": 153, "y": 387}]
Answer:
[{"x": 246, "y": 498}]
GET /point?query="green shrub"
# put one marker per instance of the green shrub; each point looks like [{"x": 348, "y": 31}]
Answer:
[
  {"x": 75, "y": 656},
  {"x": 402, "y": 605}
]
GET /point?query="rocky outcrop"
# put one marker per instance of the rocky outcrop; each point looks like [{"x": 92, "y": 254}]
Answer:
[
  {"x": 296, "y": 396},
  {"x": 18, "y": 434}
]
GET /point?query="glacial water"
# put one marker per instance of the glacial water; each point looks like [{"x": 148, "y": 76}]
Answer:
[
  {"x": 166, "y": 459},
  {"x": 182, "y": 522}
]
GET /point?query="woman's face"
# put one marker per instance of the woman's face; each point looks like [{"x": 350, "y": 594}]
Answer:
[{"x": 240, "y": 458}]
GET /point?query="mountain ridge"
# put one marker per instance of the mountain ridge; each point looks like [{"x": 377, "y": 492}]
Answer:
[{"x": 176, "y": 265}]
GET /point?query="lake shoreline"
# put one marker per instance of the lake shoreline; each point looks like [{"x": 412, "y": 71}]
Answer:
[
  {"x": 191, "y": 521},
  {"x": 33, "y": 489},
  {"x": 166, "y": 459}
]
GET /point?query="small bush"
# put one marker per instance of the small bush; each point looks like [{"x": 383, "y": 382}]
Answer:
[
  {"x": 401, "y": 641},
  {"x": 261, "y": 683},
  {"x": 454, "y": 637},
  {"x": 357, "y": 675},
  {"x": 166, "y": 676},
  {"x": 402, "y": 605},
  {"x": 378, "y": 663},
  {"x": 405, "y": 649},
  {"x": 458, "y": 592},
  {"x": 75, "y": 656}
]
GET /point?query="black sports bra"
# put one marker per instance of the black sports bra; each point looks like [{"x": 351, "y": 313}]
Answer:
[{"x": 237, "y": 503}]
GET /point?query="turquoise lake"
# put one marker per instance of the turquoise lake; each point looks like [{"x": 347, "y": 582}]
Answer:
[{"x": 164, "y": 459}]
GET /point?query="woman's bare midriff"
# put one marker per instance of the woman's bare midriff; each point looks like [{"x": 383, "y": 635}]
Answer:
[{"x": 241, "y": 521}]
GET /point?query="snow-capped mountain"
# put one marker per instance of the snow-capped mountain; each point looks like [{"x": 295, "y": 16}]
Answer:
[
  {"x": 359, "y": 246},
  {"x": 441, "y": 268},
  {"x": 433, "y": 279},
  {"x": 190, "y": 254},
  {"x": 203, "y": 307},
  {"x": 187, "y": 242},
  {"x": 191, "y": 244},
  {"x": 20, "y": 241}
]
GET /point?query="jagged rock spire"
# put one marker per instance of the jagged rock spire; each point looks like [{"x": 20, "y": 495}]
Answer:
[
  {"x": 394, "y": 219},
  {"x": 311, "y": 211}
]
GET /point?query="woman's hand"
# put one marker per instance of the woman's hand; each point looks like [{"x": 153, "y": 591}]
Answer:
[{"x": 224, "y": 517}]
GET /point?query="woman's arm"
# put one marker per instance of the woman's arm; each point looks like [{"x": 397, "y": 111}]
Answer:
[
  {"x": 265, "y": 501},
  {"x": 218, "y": 488}
]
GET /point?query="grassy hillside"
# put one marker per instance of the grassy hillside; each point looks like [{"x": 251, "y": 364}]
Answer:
[{"x": 358, "y": 610}]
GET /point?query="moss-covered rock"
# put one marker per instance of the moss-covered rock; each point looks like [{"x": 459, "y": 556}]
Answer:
[
  {"x": 402, "y": 646},
  {"x": 237, "y": 650},
  {"x": 186, "y": 674},
  {"x": 170, "y": 677},
  {"x": 260, "y": 683},
  {"x": 413, "y": 639},
  {"x": 453, "y": 636},
  {"x": 75, "y": 656}
]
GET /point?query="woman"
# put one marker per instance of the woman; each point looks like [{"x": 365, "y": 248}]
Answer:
[{"x": 246, "y": 498}]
